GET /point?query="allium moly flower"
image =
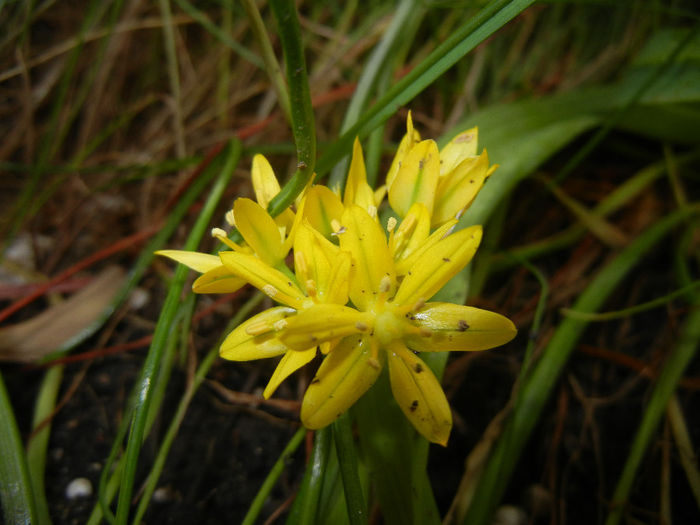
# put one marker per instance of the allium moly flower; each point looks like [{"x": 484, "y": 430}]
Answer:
[
  {"x": 321, "y": 277},
  {"x": 445, "y": 181},
  {"x": 269, "y": 238},
  {"x": 389, "y": 321}
]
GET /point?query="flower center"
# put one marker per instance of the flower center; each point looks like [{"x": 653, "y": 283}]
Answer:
[{"x": 389, "y": 324}]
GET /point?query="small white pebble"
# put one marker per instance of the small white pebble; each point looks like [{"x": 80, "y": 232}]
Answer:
[
  {"x": 138, "y": 299},
  {"x": 509, "y": 515},
  {"x": 79, "y": 488},
  {"x": 163, "y": 495}
]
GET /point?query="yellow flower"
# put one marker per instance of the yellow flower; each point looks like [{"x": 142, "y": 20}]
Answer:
[
  {"x": 389, "y": 321},
  {"x": 321, "y": 277},
  {"x": 445, "y": 181},
  {"x": 270, "y": 239}
]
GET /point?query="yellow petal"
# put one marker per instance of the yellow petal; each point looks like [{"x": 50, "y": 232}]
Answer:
[
  {"x": 264, "y": 277},
  {"x": 416, "y": 179},
  {"x": 455, "y": 327},
  {"x": 357, "y": 191},
  {"x": 409, "y": 139},
  {"x": 436, "y": 266},
  {"x": 321, "y": 206},
  {"x": 379, "y": 195},
  {"x": 372, "y": 260},
  {"x": 404, "y": 264},
  {"x": 459, "y": 148},
  {"x": 324, "y": 322},
  {"x": 419, "y": 394},
  {"x": 265, "y": 183},
  {"x": 411, "y": 233},
  {"x": 324, "y": 264},
  {"x": 218, "y": 280},
  {"x": 291, "y": 362},
  {"x": 199, "y": 262},
  {"x": 346, "y": 373},
  {"x": 457, "y": 189},
  {"x": 257, "y": 337},
  {"x": 259, "y": 230}
]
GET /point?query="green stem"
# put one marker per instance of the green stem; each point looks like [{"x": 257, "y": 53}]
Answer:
[
  {"x": 305, "y": 507},
  {"x": 302, "y": 113},
  {"x": 347, "y": 459}
]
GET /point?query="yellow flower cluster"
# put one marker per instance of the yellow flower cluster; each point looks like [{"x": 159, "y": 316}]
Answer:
[{"x": 359, "y": 292}]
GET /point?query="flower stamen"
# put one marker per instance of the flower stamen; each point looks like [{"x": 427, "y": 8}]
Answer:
[{"x": 220, "y": 234}]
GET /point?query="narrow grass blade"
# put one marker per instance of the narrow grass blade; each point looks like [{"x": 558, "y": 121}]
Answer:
[
  {"x": 271, "y": 479},
  {"x": 207, "y": 24},
  {"x": 538, "y": 386},
  {"x": 174, "y": 427},
  {"x": 685, "y": 349},
  {"x": 491, "y": 18},
  {"x": 274, "y": 71},
  {"x": 39, "y": 442},
  {"x": 151, "y": 366},
  {"x": 349, "y": 470},
  {"x": 16, "y": 495}
]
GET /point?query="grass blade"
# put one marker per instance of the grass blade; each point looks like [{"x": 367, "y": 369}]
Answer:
[
  {"x": 491, "y": 18},
  {"x": 150, "y": 368},
  {"x": 15, "y": 487},
  {"x": 538, "y": 386}
]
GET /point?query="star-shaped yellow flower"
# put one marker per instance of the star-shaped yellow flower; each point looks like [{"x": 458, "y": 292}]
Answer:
[{"x": 389, "y": 320}]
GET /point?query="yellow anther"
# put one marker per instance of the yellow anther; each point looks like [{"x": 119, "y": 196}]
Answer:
[
  {"x": 280, "y": 325},
  {"x": 311, "y": 290},
  {"x": 420, "y": 303},
  {"x": 220, "y": 234},
  {"x": 385, "y": 284},
  {"x": 337, "y": 227},
  {"x": 372, "y": 210},
  {"x": 270, "y": 290},
  {"x": 391, "y": 224},
  {"x": 301, "y": 266},
  {"x": 230, "y": 219},
  {"x": 361, "y": 326},
  {"x": 258, "y": 328},
  {"x": 374, "y": 363}
]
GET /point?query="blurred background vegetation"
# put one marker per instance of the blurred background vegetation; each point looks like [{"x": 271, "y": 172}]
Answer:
[{"x": 118, "y": 119}]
